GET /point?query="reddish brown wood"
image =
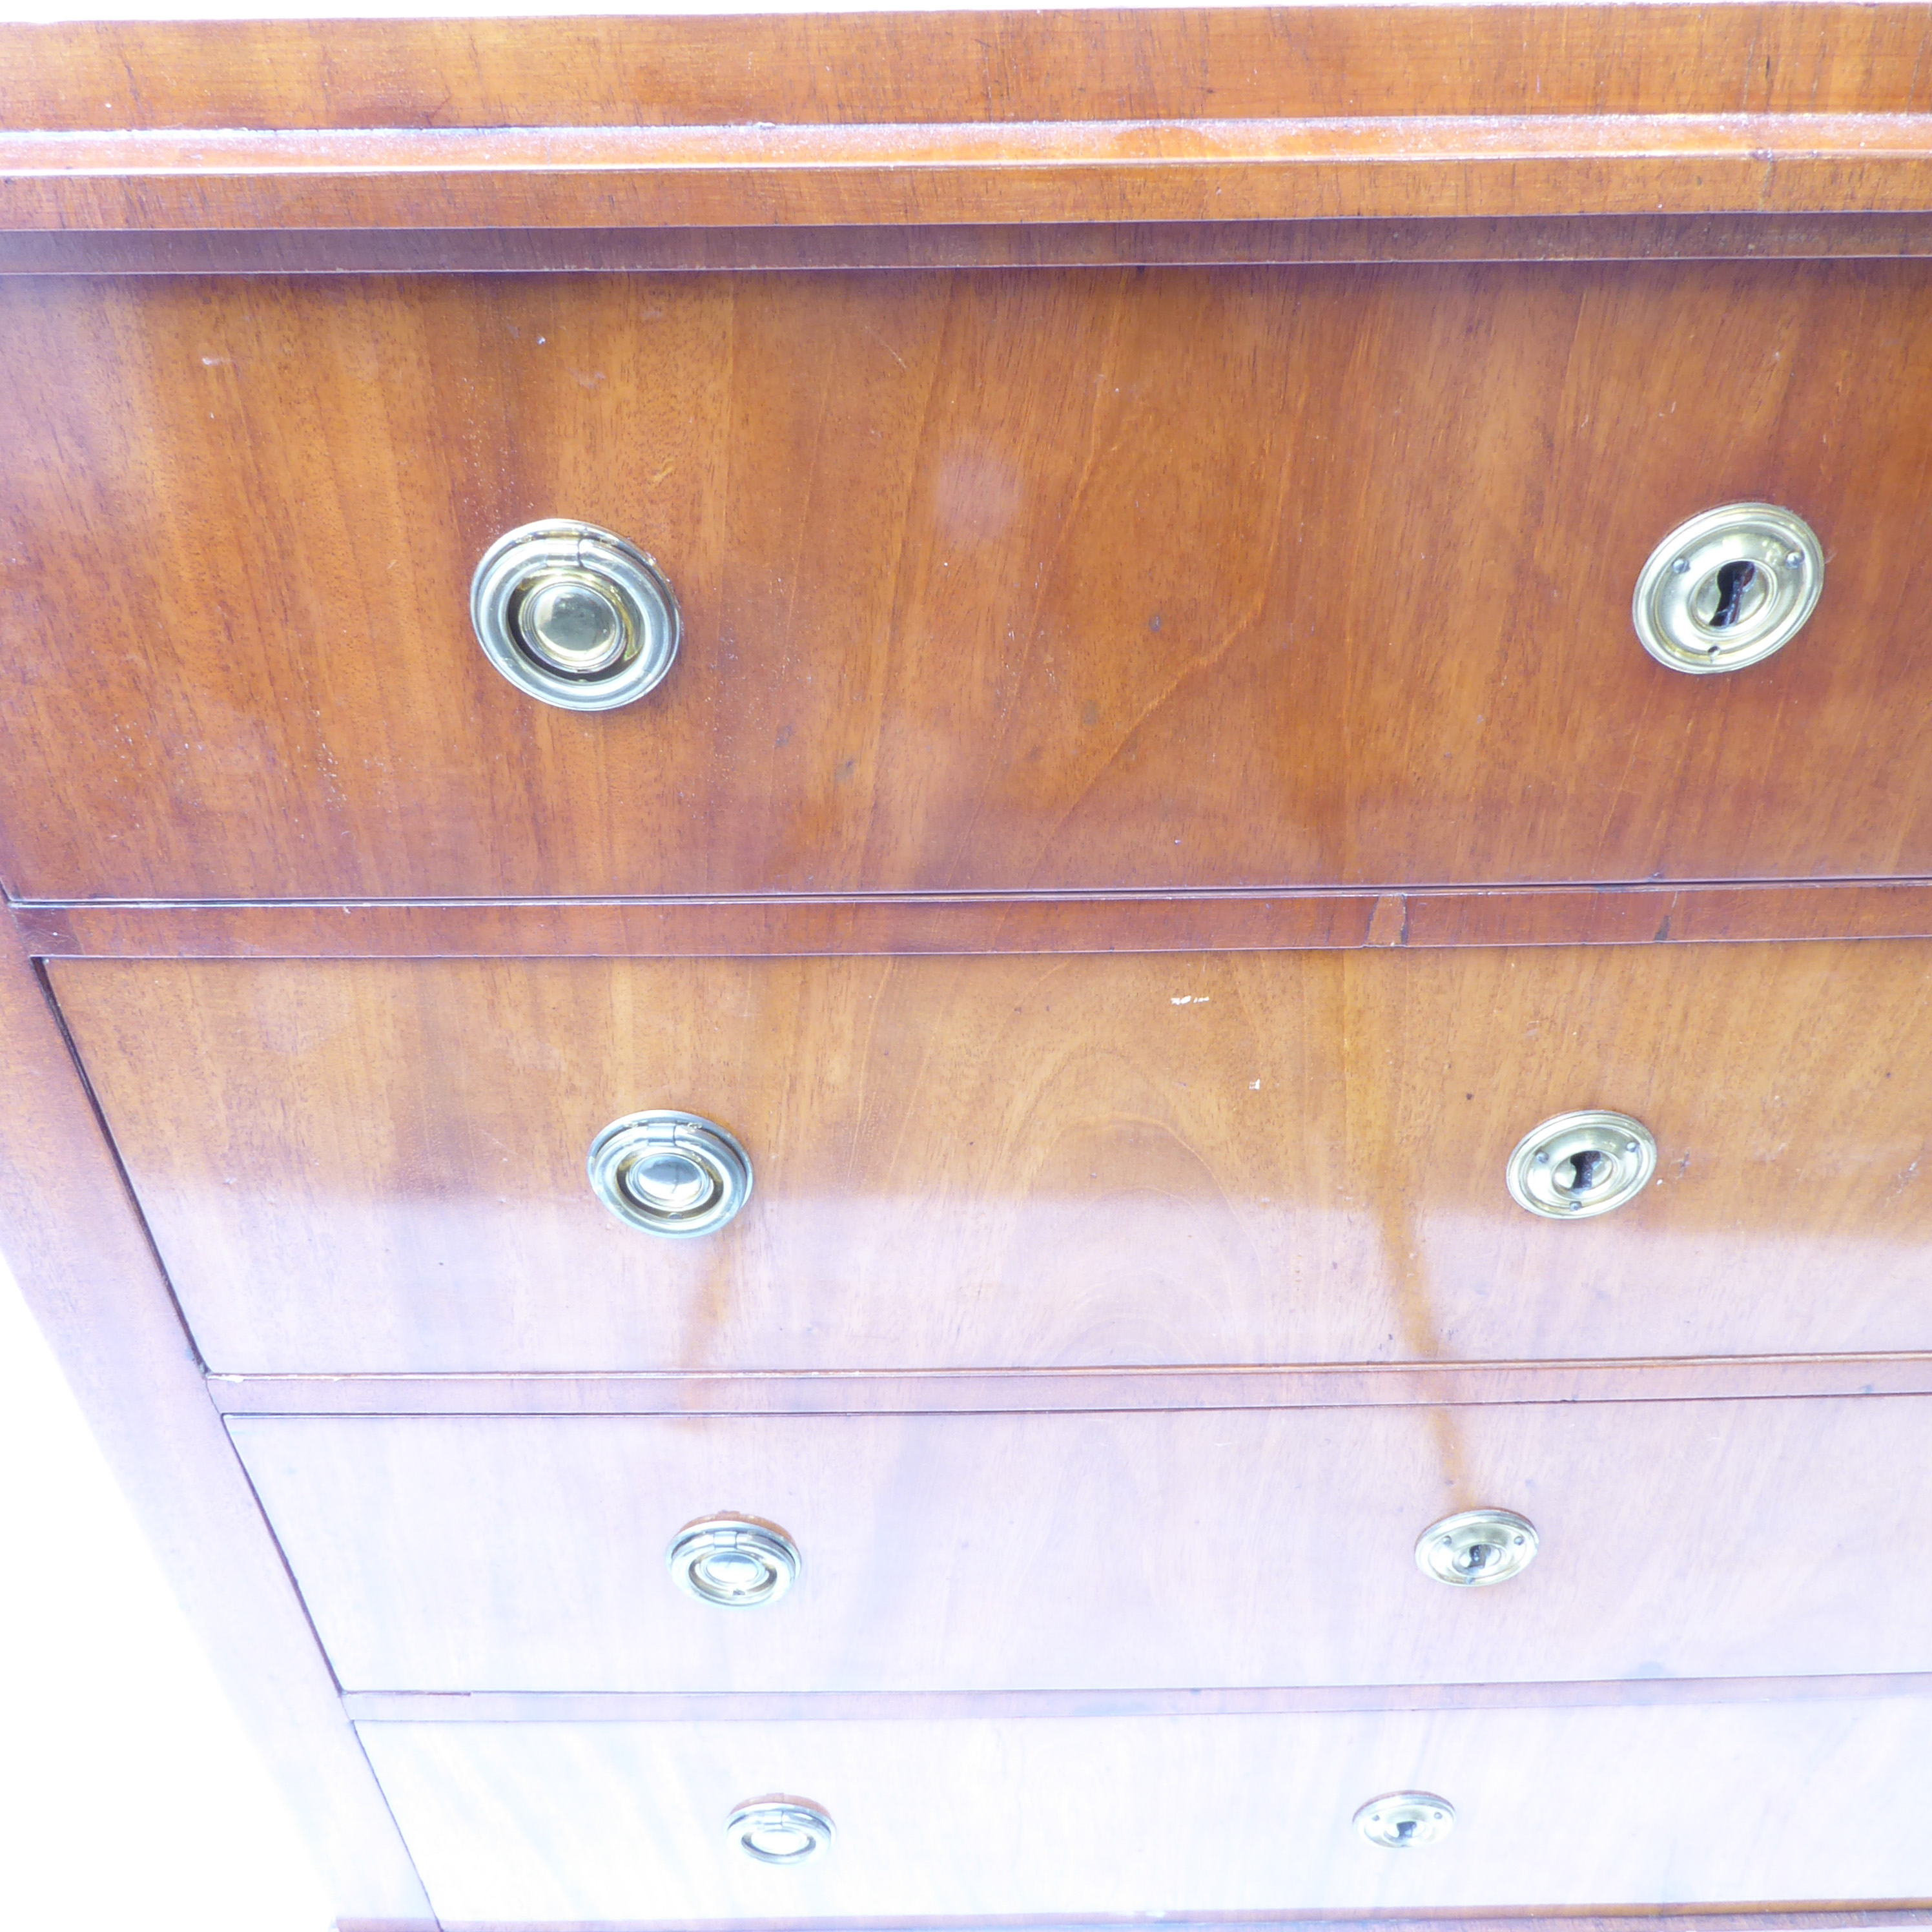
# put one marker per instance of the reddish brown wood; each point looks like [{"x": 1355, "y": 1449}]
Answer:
[
  {"x": 1058, "y": 1552},
  {"x": 1182, "y": 1160},
  {"x": 1007, "y": 66},
  {"x": 1042, "y": 580},
  {"x": 1414, "y": 167},
  {"x": 75, "y": 1242},
  {"x": 959, "y": 245},
  {"x": 1100, "y": 922}
]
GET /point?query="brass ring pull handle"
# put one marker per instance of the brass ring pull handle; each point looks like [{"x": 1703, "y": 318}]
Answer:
[
  {"x": 737, "y": 1562},
  {"x": 1728, "y": 588},
  {"x": 1579, "y": 1164},
  {"x": 574, "y": 615},
  {"x": 670, "y": 1174},
  {"x": 779, "y": 1830}
]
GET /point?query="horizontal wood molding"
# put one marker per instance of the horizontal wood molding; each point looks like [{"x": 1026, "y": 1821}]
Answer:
[
  {"x": 847, "y": 70},
  {"x": 986, "y": 923},
  {"x": 1733, "y": 1918},
  {"x": 525, "y": 1707},
  {"x": 1406, "y": 166},
  {"x": 1349, "y": 1385},
  {"x": 470, "y": 251}
]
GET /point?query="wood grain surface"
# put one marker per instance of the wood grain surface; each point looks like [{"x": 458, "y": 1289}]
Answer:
[
  {"x": 993, "y": 581},
  {"x": 287, "y": 251},
  {"x": 849, "y": 69},
  {"x": 598, "y": 1823},
  {"x": 1008, "y": 1391},
  {"x": 813, "y": 926},
  {"x": 1194, "y": 1550},
  {"x": 73, "y": 1240},
  {"x": 1183, "y": 1160},
  {"x": 1412, "y": 167}
]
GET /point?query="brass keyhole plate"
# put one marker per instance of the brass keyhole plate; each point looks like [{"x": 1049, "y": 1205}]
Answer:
[
  {"x": 1404, "y": 1820},
  {"x": 1579, "y": 1164},
  {"x": 1476, "y": 1548},
  {"x": 1728, "y": 588}
]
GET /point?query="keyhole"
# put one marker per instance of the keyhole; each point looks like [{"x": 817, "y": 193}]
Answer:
[
  {"x": 1582, "y": 1171},
  {"x": 1405, "y": 1830},
  {"x": 1733, "y": 581}
]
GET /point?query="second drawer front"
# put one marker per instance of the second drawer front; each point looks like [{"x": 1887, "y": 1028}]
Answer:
[
  {"x": 977, "y": 1163},
  {"x": 1235, "y": 1548}
]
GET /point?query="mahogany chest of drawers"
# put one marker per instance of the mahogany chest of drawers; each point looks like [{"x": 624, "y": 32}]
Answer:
[{"x": 975, "y": 968}]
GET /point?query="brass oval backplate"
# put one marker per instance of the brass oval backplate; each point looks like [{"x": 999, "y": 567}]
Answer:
[
  {"x": 1728, "y": 588},
  {"x": 1581, "y": 1164},
  {"x": 574, "y": 615},
  {"x": 1405, "y": 1819},
  {"x": 669, "y": 1173},
  {"x": 737, "y": 1562},
  {"x": 780, "y": 1831},
  {"x": 1477, "y": 1547}
]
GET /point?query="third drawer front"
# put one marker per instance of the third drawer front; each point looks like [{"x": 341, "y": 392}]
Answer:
[
  {"x": 991, "y": 581},
  {"x": 1107, "y": 1551},
  {"x": 990, "y": 1163}
]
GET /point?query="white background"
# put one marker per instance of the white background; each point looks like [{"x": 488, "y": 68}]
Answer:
[{"x": 129, "y": 1800}]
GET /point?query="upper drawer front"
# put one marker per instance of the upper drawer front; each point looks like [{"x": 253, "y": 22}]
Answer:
[
  {"x": 991, "y": 580},
  {"x": 992, "y": 1163},
  {"x": 962, "y": 1821},
  {"x": 1106, "y": 1552}
]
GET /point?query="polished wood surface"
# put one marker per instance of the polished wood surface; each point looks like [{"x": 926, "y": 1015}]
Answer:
[
  {"x": 1101, "y": 1817},
  {"x": 1411, "y": 166},
  {"x": 1105, "y": 1552},
  {"x": 998, "y": 1391},
  {"x": 1180, "y": 1160},
  {"x": 993, "y": 582},
  {"x": 271, "y": 251},
  {"x": 73, "y": 1240},
  {"x": 787, "y": 1707},
  {"x": 814, "y": 926},
  {"x": 1153, "y": 64}
]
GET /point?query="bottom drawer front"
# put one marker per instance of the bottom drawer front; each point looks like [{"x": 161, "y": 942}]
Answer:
[{"x": 965, "y": 1818}]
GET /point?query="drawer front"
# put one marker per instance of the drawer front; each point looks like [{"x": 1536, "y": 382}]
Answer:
[
  {"x": 1235, "y": 1159},
  {"x": 993, "y": 580},
  {"x": 563, "y": 1824},
  {"x": 1106, "y": 1552}
]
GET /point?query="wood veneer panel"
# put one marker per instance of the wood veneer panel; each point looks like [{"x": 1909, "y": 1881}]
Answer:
[
  {"x": 806, "y": 928},
  {"x": 603, "y": 1822},
  {"x": 1200, "y": 1550},
  {"x": 74, "y": 1242},
  {"x": 1189, "y": 1160},
  {"x": 833, "y": 1392},
  {"x": 1409, "y": 166},
  {"x": 1035, "y": 580},
  {"x": 1090, "y": 244},
  {"x": 1001, "y": 66}
]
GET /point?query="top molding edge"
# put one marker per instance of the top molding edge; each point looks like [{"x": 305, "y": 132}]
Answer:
[{"x": 1658, "y": 57}]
